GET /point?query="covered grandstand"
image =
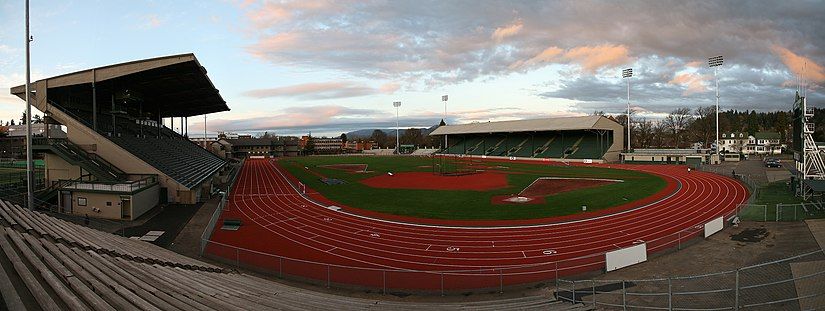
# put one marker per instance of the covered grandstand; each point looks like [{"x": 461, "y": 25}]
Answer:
[
  {"x": 115, "y": 134},
  {"x": 595, "y": 138}
]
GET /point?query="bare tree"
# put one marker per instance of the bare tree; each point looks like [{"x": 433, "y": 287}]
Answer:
[
  {"x": 676, "y": 124},
  {"x": 703, "y": 128},
  {"x": 643, "y": 133}
]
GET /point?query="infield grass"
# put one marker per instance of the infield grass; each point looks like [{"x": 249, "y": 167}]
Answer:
[{"x": 469, "y": 205}]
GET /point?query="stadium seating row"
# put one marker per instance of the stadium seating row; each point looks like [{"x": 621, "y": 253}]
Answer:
[
  {"x": 44, "y": 265},
  {"x": 566, "y": 144}
]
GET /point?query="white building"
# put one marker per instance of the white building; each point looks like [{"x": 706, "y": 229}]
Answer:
[
  {"x": 733, "y": 142},
  {"x": 764, "y": 143},
  {"x": 759, "y": 143}
]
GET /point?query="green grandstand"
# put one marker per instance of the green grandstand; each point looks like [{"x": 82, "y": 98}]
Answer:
[{"x": 596, "y": 138}]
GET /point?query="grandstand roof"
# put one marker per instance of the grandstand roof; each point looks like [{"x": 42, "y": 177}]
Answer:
[
  {"x": 534, "y": 125},
  {"x": 175, "y": 85}
]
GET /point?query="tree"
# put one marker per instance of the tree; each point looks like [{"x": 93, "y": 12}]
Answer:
[
  {"x": 380, "y": 138},
  {"x": 37, "y": 119},
  {"x": 309, "y": 148},
  {"x": 23, "y": 118},
  {"x": 344, "y": 138},
  {"x": 644, "y": 134},
  {"x": 703, "y": 126},
  {"x": 676, "y": 123},
  {"x": 267, "y": 134},
  {"x": 413, "y": 136},
  {"x": 12, "y": 122}
]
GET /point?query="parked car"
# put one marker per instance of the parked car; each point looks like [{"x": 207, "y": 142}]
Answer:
[{"x": 773, "y": 163}]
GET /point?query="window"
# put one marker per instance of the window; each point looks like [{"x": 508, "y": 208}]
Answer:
[{"x": 81, "y": 201}]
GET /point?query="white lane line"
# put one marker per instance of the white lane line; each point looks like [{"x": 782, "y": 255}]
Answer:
[
  {"x": 332, "y": 249},
  {"x": 428, "y": 247},
  {"x": 523, "y": 254}
]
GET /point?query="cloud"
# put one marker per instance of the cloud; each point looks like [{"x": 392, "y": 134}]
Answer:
[
  {"x": 324, "y": 90},
  {"x": 151, "y": 21},
  {"x": 800, "y": 65},
  {"x": 694, "y": 83},
  {"x": 508, "y": 31},
  {"x": 588, "y": 58}
]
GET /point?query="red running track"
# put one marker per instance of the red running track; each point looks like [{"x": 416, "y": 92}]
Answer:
[{"x": 285, "y": 233}]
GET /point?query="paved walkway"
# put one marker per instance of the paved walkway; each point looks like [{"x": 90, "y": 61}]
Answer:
[
  {"x": 817, "y": 227},
  {"x": 188, "y": 241}
]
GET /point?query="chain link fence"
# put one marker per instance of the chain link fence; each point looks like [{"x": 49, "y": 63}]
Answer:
[{"x": 794, "y": 283}]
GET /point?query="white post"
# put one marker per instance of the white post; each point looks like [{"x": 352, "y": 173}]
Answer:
[
  {"x": 444, "y": 99},
  {"x": 29, "y": 160},
  {"x": 204, "y": 131},
  {"x": 717, "y": 111},
  {"x": 397, "y": 130},
  {"x": 626, "y": 74}
]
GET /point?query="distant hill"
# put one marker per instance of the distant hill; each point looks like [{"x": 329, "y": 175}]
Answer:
[{"x": 366, "y": 133}]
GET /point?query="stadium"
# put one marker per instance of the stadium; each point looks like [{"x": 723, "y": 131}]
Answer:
[{"x": 117, "y": 206}]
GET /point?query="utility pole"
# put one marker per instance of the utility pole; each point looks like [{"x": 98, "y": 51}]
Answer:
[{"x": 29, "y": 160}]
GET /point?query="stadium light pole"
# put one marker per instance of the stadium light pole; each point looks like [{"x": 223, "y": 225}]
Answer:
[
  {"x": 626, "y": 74},
  {"x": 29, "y": 161},
  {"x": 397, "y": 137},
  {"x": 715, "y": 62},
  {"x": 444, "y": 99}
]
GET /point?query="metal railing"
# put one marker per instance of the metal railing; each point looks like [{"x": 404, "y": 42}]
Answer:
[
  {"x": 122, "y": 186},
  {"x": 793, "y": 283},
  {"x": 210, "y": 226}
]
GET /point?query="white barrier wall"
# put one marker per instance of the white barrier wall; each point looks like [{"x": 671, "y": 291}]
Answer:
[
  {"x": 625, "y": 257},
  {"x": 714, "y": 226}
]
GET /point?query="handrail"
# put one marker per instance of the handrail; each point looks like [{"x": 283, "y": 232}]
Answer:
[{"x": 65, "y": 143}]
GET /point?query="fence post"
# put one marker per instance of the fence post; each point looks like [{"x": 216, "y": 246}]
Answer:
[
  {"x": 384, "y": 281},
  {"x": 669, "y": 294},
  {"x": 795, "y": 208},
  {"x": 679, "y": 240},
  {"x": 237, "y": 259},
  {"x": 765, "y": 207},
  {"x": 593, "y": 290},
  {"x": 624, "y": 295},
  {"x": 573, "y": 286},
  {"x": 736, "y": 295},
  {"x": 442, "y": 283},
  {"x": 500, "y": 281},
  {"x": 327, "y": 276},
  {"x": 557, "y": 278},
  {"x": 281, "y": 266},
  {"x": 778, "y": 211}
]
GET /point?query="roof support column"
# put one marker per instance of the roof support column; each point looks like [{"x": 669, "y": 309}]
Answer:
[
  {"x": 94, "y": 100},
  {"x": 114, "y": 125},
  {"x": 160, "y": 121}
]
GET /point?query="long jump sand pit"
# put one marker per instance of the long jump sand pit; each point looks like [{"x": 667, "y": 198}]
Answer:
[
  {"x": 481, "y": 181},
  {"x": 544, "y": 186}
]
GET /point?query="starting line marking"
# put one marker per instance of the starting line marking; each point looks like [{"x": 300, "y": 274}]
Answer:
[
  {"x": 549, "y": 252},
  {"x": 452, "y": 249}
]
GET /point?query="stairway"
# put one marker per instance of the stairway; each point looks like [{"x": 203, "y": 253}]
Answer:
[{"x": 73, "y": 154}]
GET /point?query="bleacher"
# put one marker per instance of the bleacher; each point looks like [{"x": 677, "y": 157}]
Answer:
[
  {"x": 568, "y": 144},
  {"x": 48, "y": 264},
  {"x": 166, "y": 150}
]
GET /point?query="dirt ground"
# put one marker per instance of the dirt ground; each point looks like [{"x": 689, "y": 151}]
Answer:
[{"x": 545, "y": 187}]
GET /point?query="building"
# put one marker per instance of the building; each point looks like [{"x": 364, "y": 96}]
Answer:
[
  {"x": 694, "y": 157},
  {"x": 589, "y": 138},
  {"x": 733, "y": 142},
  {"x": 321, "y": 145},
  {"x": 116, "y": 139},
  {"x": 357, "y": 146},
  {"x": 255, "y": 147},
  {"x": 764, "y": 143},
  {"x": 13, "y": 145}
]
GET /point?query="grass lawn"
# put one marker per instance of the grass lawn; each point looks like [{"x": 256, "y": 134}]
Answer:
[
  {"x": 778, "y": 193},
  {"x": 469, "y": 205}
]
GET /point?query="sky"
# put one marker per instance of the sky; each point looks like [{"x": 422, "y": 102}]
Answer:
[{"x": 292, "y": 67}]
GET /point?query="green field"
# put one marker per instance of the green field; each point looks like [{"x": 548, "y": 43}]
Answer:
[
  {"x": 765, "y": 205},
  {"x": 469, "y": 205}
]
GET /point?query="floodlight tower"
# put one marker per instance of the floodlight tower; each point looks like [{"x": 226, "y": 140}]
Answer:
[
  {"x": 444, "y": 99},
  {"x": 626, "y": 74},
  {"x": 29, "y": 160},
  {"x": 397, "y": 136},
  {"x": 715, "y": 62}
]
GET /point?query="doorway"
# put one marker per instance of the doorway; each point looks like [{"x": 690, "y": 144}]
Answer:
[
  {"x": 66, "y": 202},
  {"x": 125, "y": 208}
]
